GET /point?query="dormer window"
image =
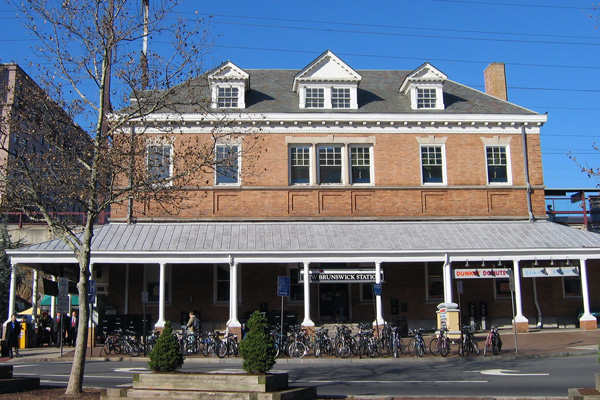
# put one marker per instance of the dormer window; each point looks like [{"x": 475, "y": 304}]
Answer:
[
  {"x": 426, "y": 98},
  {"x": 227, "y": 97},
  {"x": 315, "y": 98},
  {"x": 327, "y": 83},
  {"x": 228, "y": 85},
  {"x": 425, "y": 88}
]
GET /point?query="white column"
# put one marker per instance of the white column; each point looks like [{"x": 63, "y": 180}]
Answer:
[
  {"x": 53, "y": 301},
  {"x": 519, "y": 317},
  {"x": 161, "y": 297},
  {"x": 12, "y": 290},
  {"x": 585, "y": 293},
  {"x": 233, "y": 296},
  {"x": 34, "y": 295},
  {"x": 307, "y": 321},
  {"x": 378, "y": 306},
  {"x": 447, "y": 274}
]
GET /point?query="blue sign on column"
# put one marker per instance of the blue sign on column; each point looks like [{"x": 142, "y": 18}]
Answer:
[{"x": 283, "y": 286}]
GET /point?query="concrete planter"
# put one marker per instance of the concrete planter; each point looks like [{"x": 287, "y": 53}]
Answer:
[
  {"x": 586, "y": 394},
  {"x": 209, "y": 386}
]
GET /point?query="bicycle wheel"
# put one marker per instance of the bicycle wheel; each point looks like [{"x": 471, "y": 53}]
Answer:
[
  {"x": 343, "y": 350},
  {"x": 395, "y": 347},
  {"x": 434, "y": 346},
  {"x": 495, "y": 346},
  {"x": 444, "y": 347},
  {"x": 297, "y": 350},
  {"x": 134, "y": 350},
  {"x": 317, "y": 349},
  {"x": 420, "y": 347},
  {"x": 488, "y": 346},
  {"x": 474, "y": 346},
  {"x": 412, "y": 347},
  {"x": 221, "y": 349}
]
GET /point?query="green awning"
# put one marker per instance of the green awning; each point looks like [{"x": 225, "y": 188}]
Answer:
[{"x": 47, "y": 300}]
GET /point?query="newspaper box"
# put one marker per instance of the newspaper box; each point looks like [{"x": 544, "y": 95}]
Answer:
[
  {"x": 24, "y": 336},
  {"x": 448, "y": 316}
]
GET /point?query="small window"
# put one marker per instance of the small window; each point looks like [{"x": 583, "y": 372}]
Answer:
[
  {"x": 340, "y": 98},
  {"x": 159, "y": 162},
  {"x": 300, "y": 165},
  {"x": 426, "y": 97},
  {"x": 366, "y": 292},
  {"x": 227, "y": 97},
  {"x": 315, "y": 98},
  {"x": 432, "y": 164},
  {"x": 222, "y": 289},
  {"x": 296, "y": 288},
  {"x": 227, "y": 165},
  {"x": 502, "y": 288},
  {"x": 152, "y": 282},
  {"x": 330, "y": 165},
  {"x": 497, "y": 164},
  {"x": 435, "y": 281},
  {"x": 360, "y": 162}
]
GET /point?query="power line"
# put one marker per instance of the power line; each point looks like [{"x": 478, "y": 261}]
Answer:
[{"x": 514, "y": 4}]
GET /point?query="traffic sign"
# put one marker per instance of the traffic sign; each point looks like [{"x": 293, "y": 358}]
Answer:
[
  {"x": 92, "y": 287},
  {"x": 283, "y": 286},
  {"x": 63, "y": 287},
  {"x": 62, "y": 304},
  {"x": 377, "y": 289}
]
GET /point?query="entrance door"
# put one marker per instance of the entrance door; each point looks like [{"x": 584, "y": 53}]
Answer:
[{"x": 333, "y": 301}]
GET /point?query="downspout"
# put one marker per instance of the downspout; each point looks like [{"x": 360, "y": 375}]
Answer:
[
  {"x": 526, "y": 168},
  {"x": 540, "y": 324}
]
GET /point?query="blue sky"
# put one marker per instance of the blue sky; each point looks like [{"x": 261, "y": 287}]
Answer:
[{"x": 550, "y": 47}]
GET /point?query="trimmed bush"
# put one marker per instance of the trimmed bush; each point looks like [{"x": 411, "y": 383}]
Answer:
[
  {"x": 166, "y": 355},
  {"x": 258, "y": 347}
]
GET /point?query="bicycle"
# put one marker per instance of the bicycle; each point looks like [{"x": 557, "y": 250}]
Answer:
[
  {"x": 493, "y": 342},
  {"x": 440, "y": 344},
  {"x": 469, "y": 343},
  {"x": 416, "y": 345},
  {"x": 296, "y": 347},
  {"x": 343, "y": 341},
  {"x": 209, "y": 344},
  {"x": 322, "y": 343},
  {"x": 228, "y": 346}
]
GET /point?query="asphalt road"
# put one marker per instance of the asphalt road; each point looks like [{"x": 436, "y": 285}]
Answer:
[{"x": 478, "y": 376}]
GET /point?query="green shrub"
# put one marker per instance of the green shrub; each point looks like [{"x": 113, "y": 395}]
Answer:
[
  {"x": 166, "y": 355},
  {"x": 258, "y": 347}
]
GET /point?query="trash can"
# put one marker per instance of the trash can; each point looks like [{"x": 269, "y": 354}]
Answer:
[
  {"x": 24, "y": 336},
  {"x": 448, "y": 316}
]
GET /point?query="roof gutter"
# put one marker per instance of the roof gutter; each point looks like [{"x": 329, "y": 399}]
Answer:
[{"x": 526, "y": 168}]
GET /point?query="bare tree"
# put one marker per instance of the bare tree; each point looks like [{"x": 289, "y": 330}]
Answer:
[{"x": 107, "y": 158}]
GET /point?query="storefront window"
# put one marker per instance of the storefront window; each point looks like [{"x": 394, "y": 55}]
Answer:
[
  {"x": 572, "y": 286},
  {"x": 296, "y": 289},
  {"x": 222, "y": 292},
  {"x": 152, "y": 282},
  {"x": 502, "y": 288},
  {"x": 435, "y": 281}
]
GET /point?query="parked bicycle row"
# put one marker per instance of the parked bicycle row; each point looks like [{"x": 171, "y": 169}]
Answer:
[{"x": 344, "y": 341}]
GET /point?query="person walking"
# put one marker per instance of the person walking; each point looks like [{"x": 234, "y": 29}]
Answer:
[
  {"x": 73, "y": 329},
  {"x": 13, "y": 332}
]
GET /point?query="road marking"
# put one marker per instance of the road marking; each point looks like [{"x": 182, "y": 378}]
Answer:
[
  {"x": 139, "y": 370},
  {"x": 394, "y": 381},
  {"x": 506, "y": 372}
]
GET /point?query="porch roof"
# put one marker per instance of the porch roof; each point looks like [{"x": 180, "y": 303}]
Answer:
[{"x": 323, "y": 241}]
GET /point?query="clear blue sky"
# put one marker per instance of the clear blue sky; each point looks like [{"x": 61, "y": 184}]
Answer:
[{"x": 550, "y": 47}]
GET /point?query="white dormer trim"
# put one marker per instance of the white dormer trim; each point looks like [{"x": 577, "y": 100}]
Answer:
[
  {"x": 426, "y": 80},
  {"x": 229, "y": 75},
  {"x": 327, "y": 72}
]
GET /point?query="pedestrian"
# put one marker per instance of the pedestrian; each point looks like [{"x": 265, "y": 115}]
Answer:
[
  {"x": 72, "y": 337},
  {"x": 58, "y": 330},
  {"x": 193, "y": 323},
  {"x": 13, "y": 333}
]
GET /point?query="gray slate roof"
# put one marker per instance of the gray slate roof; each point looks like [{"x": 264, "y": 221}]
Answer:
[
  {"x": 299, "y": 237},
  {"x": 271, "y": 92}
]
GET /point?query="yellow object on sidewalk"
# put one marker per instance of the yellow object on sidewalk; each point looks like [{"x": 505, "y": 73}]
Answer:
[{"x": 23, "y": 336}]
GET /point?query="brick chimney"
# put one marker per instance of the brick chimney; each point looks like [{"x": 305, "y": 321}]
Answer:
[{"x": 495, "y": 80}]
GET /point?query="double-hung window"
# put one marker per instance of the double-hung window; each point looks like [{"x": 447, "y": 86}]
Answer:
[
  {"x": 426, "y": 97},
  {"x": 315, "y": 98},
  {"x": 340, "y": 97},
  {"x": 227, "y": 97},
  {"x": 227, "y": 168},
  {"x": 299, "y": 165},
  {"x": 432, "y": 164},
  {"x": 360, "y": 164},
  {"x": 159, "y": 165},
  {"x": 497, "y": 164},
  {"x": 330, "y": 164}
]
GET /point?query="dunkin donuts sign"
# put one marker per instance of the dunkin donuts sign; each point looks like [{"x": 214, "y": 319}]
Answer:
[{"x": 477, "y": 273}]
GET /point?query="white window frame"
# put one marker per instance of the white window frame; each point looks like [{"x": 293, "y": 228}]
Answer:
[
  {"x": 351, "y": 167},
  {"x": 343, "y": 170},
  {"x": 312, "y": 98},
  {"x": 310, "y": 163},
  {"x": 241, "y": 103},
  {"x": 238, "y": 181},
  {"x": 439, "y": 96},
  {"x": 148, "y": 166},
  {"x": 443, "y": 166},
  {"x": 345, "y": 99},
  {"x": 168, "y": 282},
  {"x": 508, "y": 165},
  {"x": 327, "y": 95}
]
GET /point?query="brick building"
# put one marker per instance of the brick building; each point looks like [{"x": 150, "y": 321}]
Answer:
[{"x": 404, "y": 179}]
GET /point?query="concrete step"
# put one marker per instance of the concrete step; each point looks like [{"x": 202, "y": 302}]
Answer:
[
  {"x": 19, "y": 384},
  {"x": 148, "y": 394},
  {"x": 213, "y": 382}
]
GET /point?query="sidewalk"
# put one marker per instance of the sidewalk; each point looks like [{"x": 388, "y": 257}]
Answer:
[{"x": 537, "y": 343}]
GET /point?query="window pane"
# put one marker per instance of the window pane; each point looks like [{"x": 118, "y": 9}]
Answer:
[
  {"x": 572, "y": 286},
  {"x": 426, "y": 98},
  {"x": 159, "y": 162},
  {"x": 340, "y": 97},
  {"x": 222, "y": 283},
  {"x": 296, "y": 289},
  {"x": 315, "y": 98},
  {"x": 227, "y": 164},
  {"x": 435, "y": 281},
  {"x": 431, "y": 160},
  {"x": 497, "y": 164},
  {"x": 227, "y": 97},
  {"x": 360, "y": 162},
  {"x": 330, "y": 165},
  {"x": 300, "y": 165}
]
